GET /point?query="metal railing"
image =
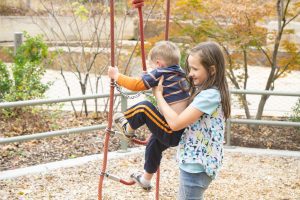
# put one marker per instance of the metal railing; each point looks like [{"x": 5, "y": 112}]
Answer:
[
  {"x": 59, "y": 132},
  {"x": 259, "y": 122},
  {"x": 124, "y": 107}
]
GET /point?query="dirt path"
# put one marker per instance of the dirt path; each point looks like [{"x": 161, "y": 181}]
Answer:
[{"x": 275, "y": 106}]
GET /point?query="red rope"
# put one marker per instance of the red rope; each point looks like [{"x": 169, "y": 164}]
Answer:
[
  {"x": 140, "y": 142},
  {"x": 127, "y": 182},
  {"x": 136, "y": 4},
  {"x": 139, "y": 4},
  {"x": 157, "y": 184},
  {"x": 111, "y": 99},
  {"x": 167, "y": 20}
]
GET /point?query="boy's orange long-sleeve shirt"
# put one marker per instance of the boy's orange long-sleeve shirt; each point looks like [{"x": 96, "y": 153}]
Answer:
[
  {"x": 130, "y": 83},
  {"x": 175, "y": 85}
]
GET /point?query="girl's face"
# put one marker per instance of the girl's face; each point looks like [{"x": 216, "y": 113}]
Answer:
[{"x": 197, "y": 71}]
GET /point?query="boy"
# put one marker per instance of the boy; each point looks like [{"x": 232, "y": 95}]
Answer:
[{"x": 164, "y": 57}]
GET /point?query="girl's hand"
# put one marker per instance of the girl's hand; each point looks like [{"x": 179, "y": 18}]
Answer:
[
  {"x": 113, "y": 73},
  {"x": 158, "y": 90}
]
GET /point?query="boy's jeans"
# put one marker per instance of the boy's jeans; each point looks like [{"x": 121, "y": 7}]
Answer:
[
  {"x": 146, "y": 113},
  {"x": 193, "y": 185}
]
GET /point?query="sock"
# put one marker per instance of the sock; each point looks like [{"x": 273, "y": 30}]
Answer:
[{"x": 145, "y": 181}]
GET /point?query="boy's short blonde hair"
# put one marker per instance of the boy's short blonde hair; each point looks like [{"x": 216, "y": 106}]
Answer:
[{"x": 166, "y": 51}]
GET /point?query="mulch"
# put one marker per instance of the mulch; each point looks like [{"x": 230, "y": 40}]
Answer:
[{"x": 35, "y": 152}]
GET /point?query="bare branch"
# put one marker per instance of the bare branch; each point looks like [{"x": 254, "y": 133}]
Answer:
[
  {"x": 266, "y": 54},
  {"x": 280, "y": 72},
  {"x": 293, "y": 18}
]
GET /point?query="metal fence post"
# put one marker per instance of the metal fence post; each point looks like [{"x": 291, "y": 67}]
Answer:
[
  {"x": 18, "y": 39},
  {"x": 28, "y": 4},
  {"x": 124, "y": 104},
  {"x": 228, "y": 132},
  {"x": 228, "y": 124},
  {"x": 123, "y": 143}
]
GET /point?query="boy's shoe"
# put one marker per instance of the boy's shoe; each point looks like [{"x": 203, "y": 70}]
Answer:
[
  {"x": 136, "y": 177},
  {"x": 120, "y": 122}
]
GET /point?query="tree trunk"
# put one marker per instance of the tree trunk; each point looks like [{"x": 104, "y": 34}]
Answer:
[
  {"x": 83, "y": 90},
  {"x": 270, "y": 81},
  {"x": 244, "y": 96},
  {"x": 233, "y": 79},
  {"x": 69, "y": 91}
]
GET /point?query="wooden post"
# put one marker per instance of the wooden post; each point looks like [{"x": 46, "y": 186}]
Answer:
[
  {"x": 18, "y": 40},
  {"x": 28, "y": 4}
]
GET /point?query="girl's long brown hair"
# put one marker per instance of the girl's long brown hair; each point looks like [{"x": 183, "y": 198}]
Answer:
[{"x": 210, "y": 54}]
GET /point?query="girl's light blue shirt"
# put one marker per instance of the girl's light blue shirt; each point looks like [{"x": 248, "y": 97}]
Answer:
[{"x": 207, "y": 102}]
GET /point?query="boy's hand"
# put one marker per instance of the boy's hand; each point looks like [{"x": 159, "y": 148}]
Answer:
[{"x": 113, "y": 73}]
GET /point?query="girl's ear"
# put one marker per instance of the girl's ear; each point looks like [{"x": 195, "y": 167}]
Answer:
[{"x": 212, "y": 70}]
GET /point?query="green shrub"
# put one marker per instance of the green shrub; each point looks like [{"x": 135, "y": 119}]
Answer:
[
  {"x": 151, "y": 98},
  {"x": 24, "y": 82},
  {"x": 5, "y": 81},
  {"x": 27, "y": 82},
  {"x": 29, "y": 66},
  {"x": 33, "y": 50},
  {"x": 296, "y": 112}
]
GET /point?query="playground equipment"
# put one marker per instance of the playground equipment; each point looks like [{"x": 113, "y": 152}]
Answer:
[{"x": 136, "y": 4}]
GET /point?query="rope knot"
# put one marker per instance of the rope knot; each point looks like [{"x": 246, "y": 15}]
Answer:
[{"x": 137, "y": 3}]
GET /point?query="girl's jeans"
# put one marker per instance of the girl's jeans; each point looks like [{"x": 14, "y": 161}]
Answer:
[{"x": 193, "y": 185}]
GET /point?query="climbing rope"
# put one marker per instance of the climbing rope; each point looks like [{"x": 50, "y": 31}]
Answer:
[
  {"x": 111, "y": 101},
  {"x": 136, "y": 4},
  {"x": 139, "y": 4},
  {"x": 167, "y": 20}
]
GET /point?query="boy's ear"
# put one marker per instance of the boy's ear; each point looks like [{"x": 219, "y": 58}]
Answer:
[
  {"x": 212, "y": 70},
  {"x": 159, "y": 63}
]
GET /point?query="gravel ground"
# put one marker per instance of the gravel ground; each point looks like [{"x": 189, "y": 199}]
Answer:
[{"x": 244, "y": 176}]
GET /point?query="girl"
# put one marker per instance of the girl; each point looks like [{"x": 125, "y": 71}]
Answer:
[{"x": 200, "y": 150}]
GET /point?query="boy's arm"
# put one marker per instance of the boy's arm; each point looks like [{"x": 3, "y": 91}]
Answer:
[
  {"x": 151, "y": 78},
  {"x": 130, "y": 83}
]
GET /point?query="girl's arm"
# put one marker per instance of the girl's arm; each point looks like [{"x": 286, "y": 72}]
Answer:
[{"x": 175, "y": 121}]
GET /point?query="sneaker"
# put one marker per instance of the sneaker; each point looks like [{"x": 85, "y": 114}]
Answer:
[
  {"x": 136, "y": 177},
  {"x": 120, "y": 122}
]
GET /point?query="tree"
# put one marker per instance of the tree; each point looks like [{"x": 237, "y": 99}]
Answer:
[
  {"x": 84, "y": 17},
  {"x": 95, "y": 18},
  {"x": 286, "y": 13},
  {"x": 238, "y": 26}
]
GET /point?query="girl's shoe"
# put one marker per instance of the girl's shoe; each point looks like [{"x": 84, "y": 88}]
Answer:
[{"x": 136, "y": 177}]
